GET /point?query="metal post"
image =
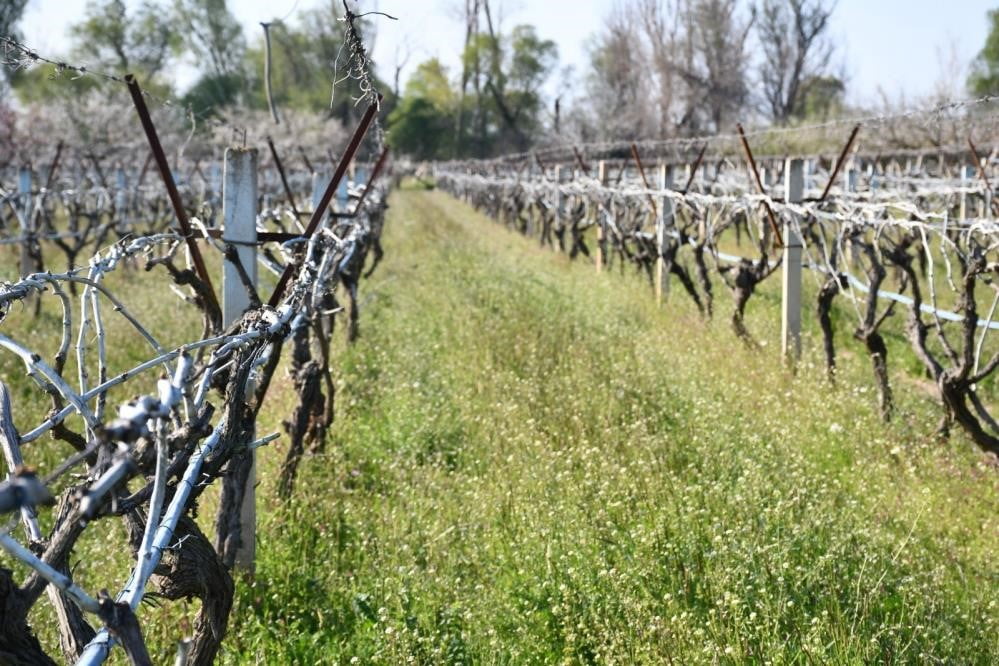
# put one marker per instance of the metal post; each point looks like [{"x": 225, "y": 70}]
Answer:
[
  {"x": 794, "y": 190},
  {"x": 602, "y": 177},
  {"x": 663, "y": 220},
  {"x": 239, "y": 213}
]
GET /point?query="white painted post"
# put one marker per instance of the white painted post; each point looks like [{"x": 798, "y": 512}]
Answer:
[
  {"x": 319, "y": 181},
  {"x": 663, "y": 220},
  {"x": 850, "y": 179},
  {"x": 27, "y": 227},
  {"x": 239, "y": 213},
  {"x": 794, "y": 191}
]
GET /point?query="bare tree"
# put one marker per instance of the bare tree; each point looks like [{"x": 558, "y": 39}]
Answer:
[
  {"x": 618, "y": 83},
  {"x": 212, "y": 32},
  {"x": 713, "y": 66},
  {"x": 792, "y": 34},
  {"x": 661, "y": 27}
]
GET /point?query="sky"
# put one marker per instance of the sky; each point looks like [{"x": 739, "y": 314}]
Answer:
[{"x": 895, "y": 46}]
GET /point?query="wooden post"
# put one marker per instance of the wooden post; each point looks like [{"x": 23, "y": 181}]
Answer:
[
  {"x": 239, "y": 212},
  {"x": 602, "y": 177},
  {"x": 794, "y": 190},
  {"x": 27, "y": 229},
  {"x": 663, "y": 220}
]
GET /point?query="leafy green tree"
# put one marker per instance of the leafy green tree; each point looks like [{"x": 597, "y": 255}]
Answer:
[
  {"x": 506, "y": 73},
  {"x": 113, "y": 38},
  {"x": 819, "y": 98},
  {"x": 214, "y": 36},
  {"x": 421, "y": 125},
  {"x": 984, "y": 76},
  {"x": 305, "y": 62}
]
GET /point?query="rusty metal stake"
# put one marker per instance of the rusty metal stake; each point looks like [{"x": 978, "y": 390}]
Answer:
[
  {"x": 97, "y": 168},
  {"x": 284, "y": 179},
  {"x": 981, "y": 173},
  {"x": 54, "y": 167},
  {"x": 305, "y": 158},
  {"x": 178, "y": 206},
  {"x": 320, "y": 210},
  {"x": 839, "y": 162},
  {"x": 645, "y": 181},
  {"x": 580, "y": 162},
  {"x": 759, "y": 186},
  {"x": 693, "y": 169},
  {"x": 541, "y": 165},
  {"x": 145, "y": 168}
]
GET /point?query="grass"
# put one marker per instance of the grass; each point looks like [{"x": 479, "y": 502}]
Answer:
[{"x": 534, "y": 464}]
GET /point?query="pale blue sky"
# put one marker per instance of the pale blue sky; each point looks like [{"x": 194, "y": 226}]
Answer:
[{"x": 896, "y": 45}]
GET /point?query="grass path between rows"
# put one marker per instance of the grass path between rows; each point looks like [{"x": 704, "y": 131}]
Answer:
[{"x": 533, "y": 464}]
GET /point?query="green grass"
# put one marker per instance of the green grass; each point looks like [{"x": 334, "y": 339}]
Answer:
[{"x": 533, "y": 463}]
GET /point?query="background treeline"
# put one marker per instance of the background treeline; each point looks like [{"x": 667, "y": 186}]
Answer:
[{"x": 657, "y": 69}]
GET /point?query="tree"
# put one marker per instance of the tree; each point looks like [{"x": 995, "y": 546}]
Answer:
[
  {"x": 305, "y": 61},
  {"x": 421, "y": 125},
  {"x": 984, "y": 76},
  {"x": 792, "y": 34},
  {"x": 713, "y": 64},
  {"x": 215, "y": 37},
  {"x": 820, "y": 97},
  {"x": 10, "y": 14},
  {"x": 617, "y": 84},
  {"x": 667, "y": 68},
  {"x": 211, "y": 32},
  {"x": 115, "y": 40},
  {"x": 507, "y": 72}
]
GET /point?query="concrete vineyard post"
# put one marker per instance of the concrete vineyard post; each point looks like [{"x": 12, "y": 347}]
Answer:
[
  {"x": 239, "y": 212},
  {"x": 794, "y": 190},
  {"x": 319, "y": 180},
  {"x": 28, "y": 231}
]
